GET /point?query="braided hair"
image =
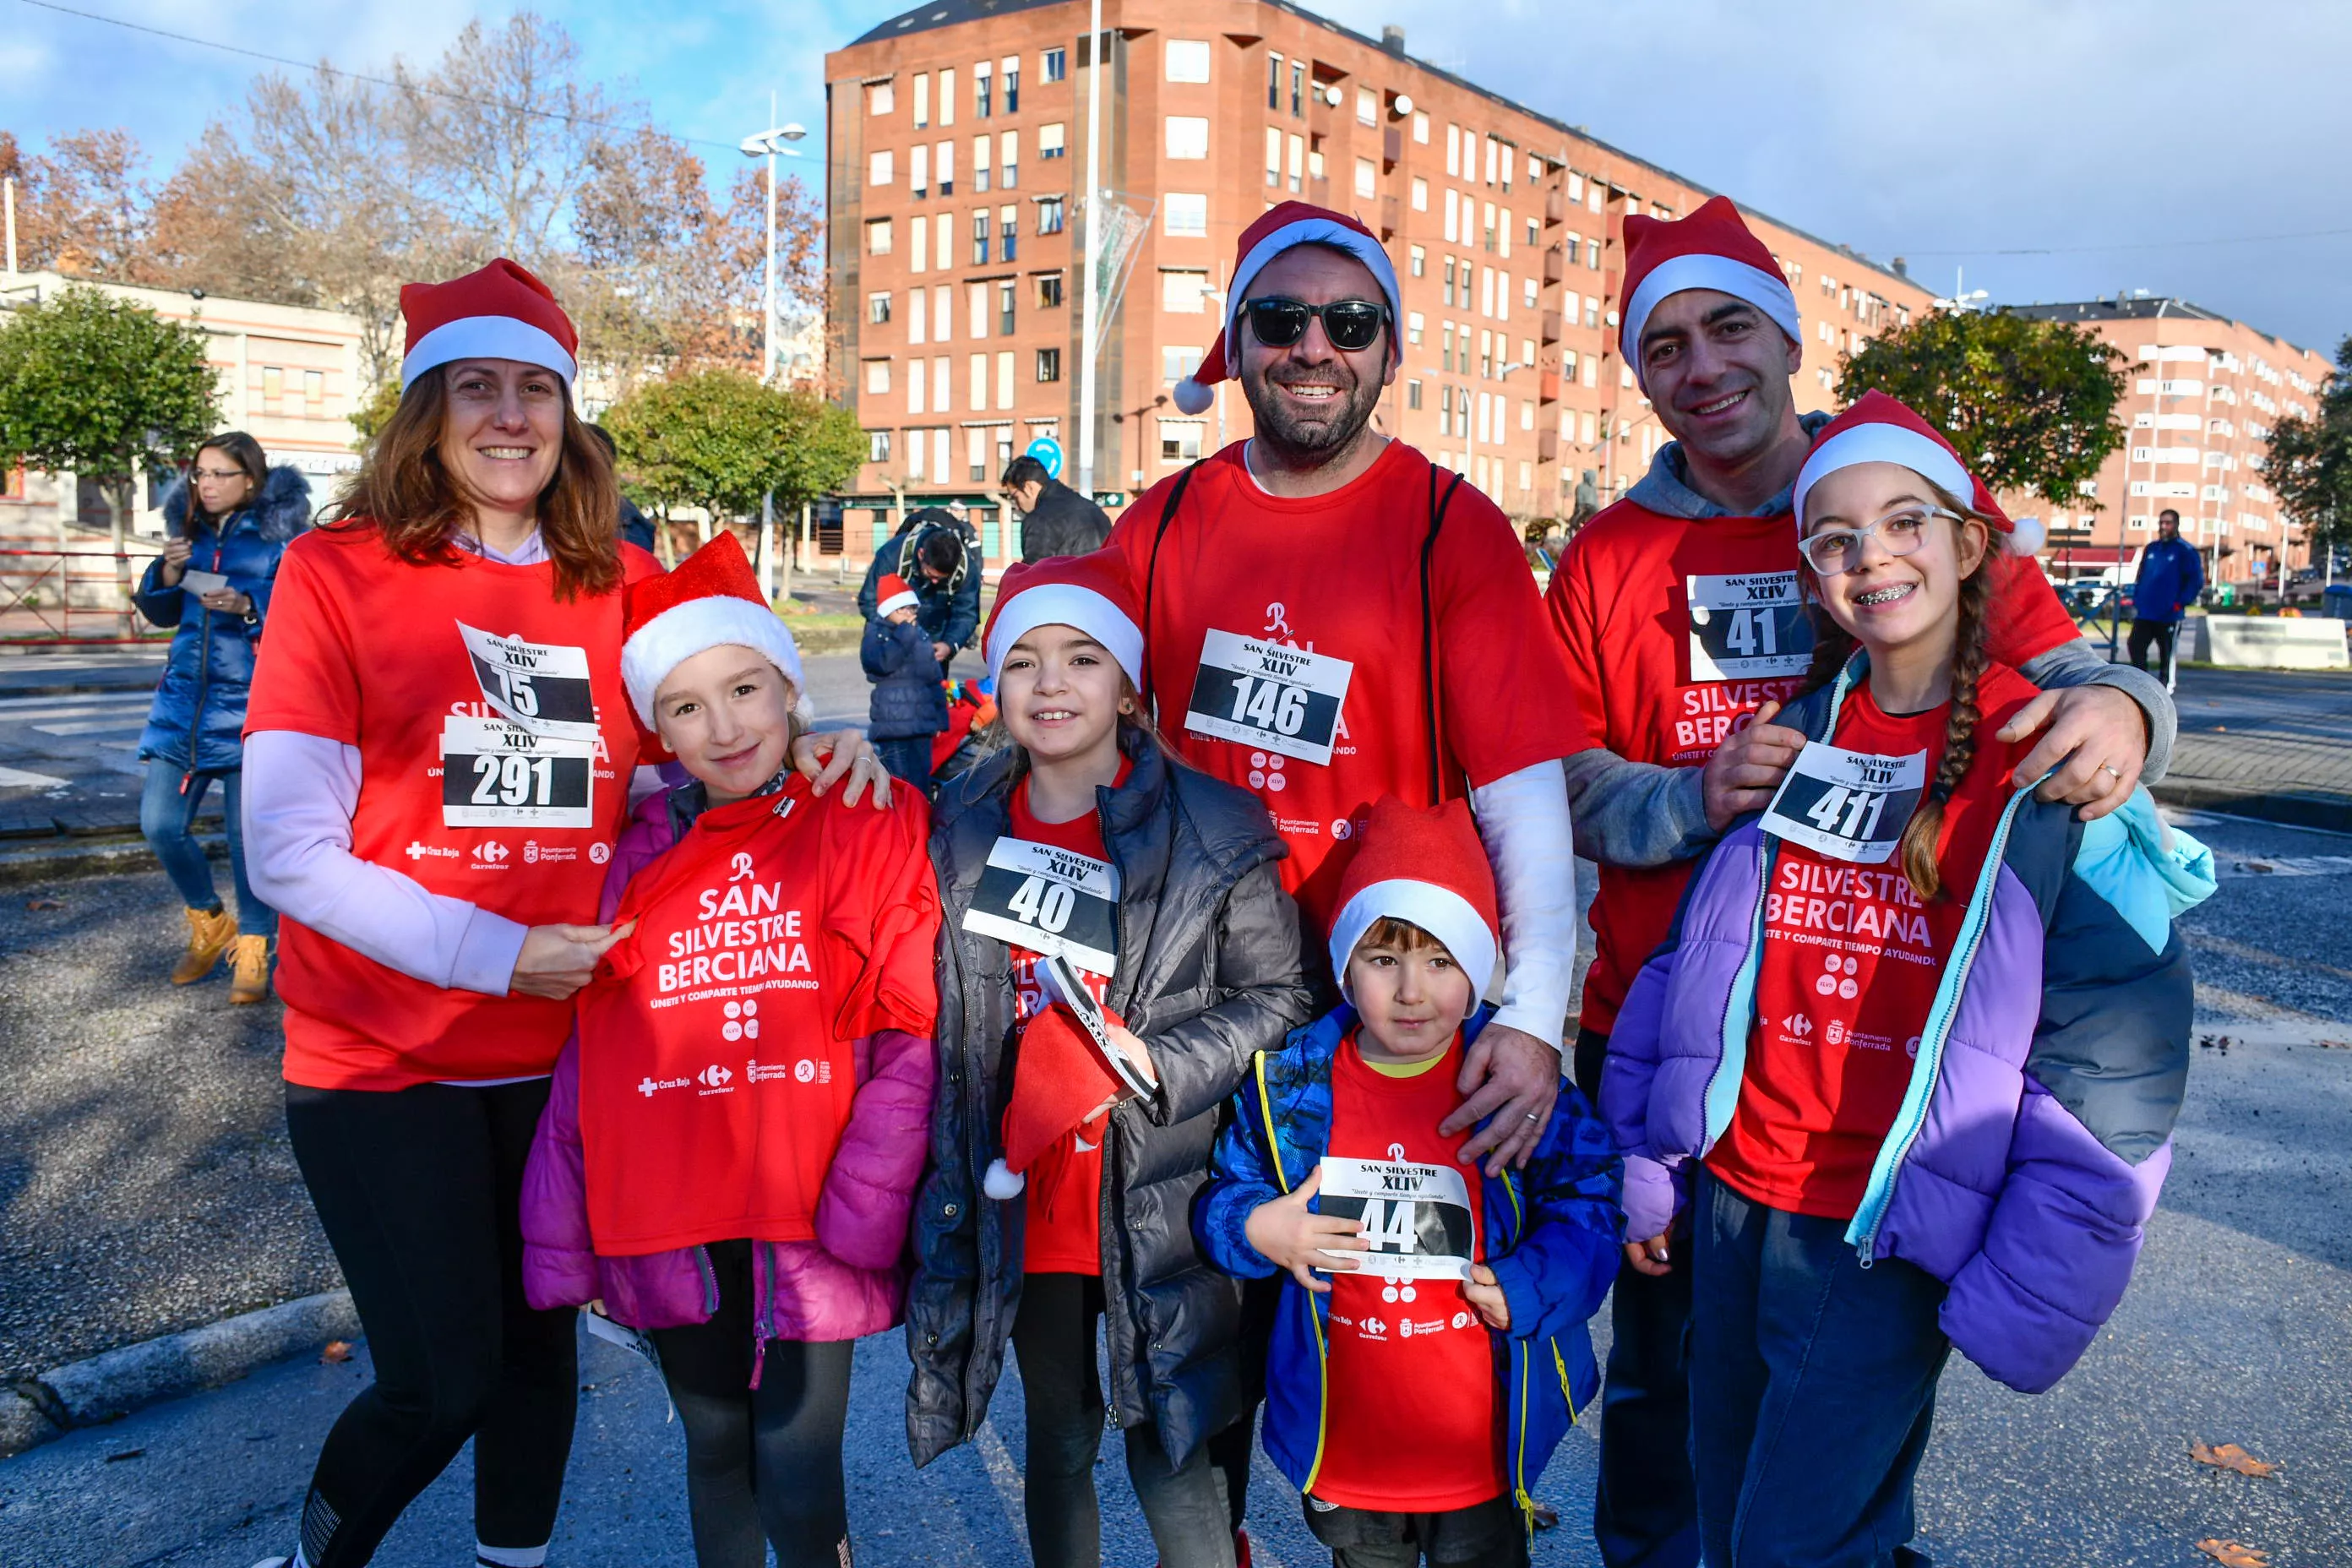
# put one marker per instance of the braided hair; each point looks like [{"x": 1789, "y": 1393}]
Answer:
[{"x": 1834, "y": 646}]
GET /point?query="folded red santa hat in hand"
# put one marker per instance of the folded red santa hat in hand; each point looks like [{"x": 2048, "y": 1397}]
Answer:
[{"x": 1059, "y": 1081}]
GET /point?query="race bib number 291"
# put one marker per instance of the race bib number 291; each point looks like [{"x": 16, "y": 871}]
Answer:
[
  {"x": 496, "y": 775},
  {"x": 1269, "y": 695},
  {"x": 1747, "y": 627}
]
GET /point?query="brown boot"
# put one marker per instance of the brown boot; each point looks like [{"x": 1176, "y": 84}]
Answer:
[
  {"x": 209, "y": 934},
  {"x": 249, "y": 969}
]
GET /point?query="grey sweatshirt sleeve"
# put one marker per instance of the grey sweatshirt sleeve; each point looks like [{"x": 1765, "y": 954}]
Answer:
[
  {"x": 1635, "y": 814},
  {"x": 2075, "y": 664}
]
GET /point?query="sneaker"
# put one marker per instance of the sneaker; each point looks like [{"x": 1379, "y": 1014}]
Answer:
[
  {"x": 209, "y": 934},
  {"x": 249, "y": 970}
]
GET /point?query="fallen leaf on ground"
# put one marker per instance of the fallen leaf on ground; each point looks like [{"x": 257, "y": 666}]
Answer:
[
  {"x": 2230, "y": 1456},
  {"x": 2235, "y": 1555},
  {"x": 126, "y": 1454},
  {"x": 44, "y": 903},
  {"x": 336, "y": 1350},
  {"x": 1547, "y": 1518}
]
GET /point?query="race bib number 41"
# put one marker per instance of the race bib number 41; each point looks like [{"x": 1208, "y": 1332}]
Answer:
[
  {"x": 1748, "y": 626},
  {"x": 1416, "y": 1217},
  {"x": 1268, "y": 695},
  {"x": 1049, "y": 900},
  {"x": 1848, "y": 806},
  {"x": 496, "y": 775}
]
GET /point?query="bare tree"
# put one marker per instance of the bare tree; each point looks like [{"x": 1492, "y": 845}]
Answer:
[{"x": 84, "y": 208}]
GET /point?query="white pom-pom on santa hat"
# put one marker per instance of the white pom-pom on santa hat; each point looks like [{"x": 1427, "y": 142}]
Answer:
[
  {"x": 2027, "y": 535},
  {"x": 1003, "y": 1183},
  {"x": 1191, "y": 396}
]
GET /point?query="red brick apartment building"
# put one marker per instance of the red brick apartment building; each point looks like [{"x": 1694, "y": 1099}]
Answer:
[
  {"x": 2202, "y": 392},
  {"x": 957, "y": 147}
]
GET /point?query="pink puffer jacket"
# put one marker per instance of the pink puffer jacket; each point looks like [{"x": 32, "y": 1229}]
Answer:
[{"x": 848, "y": 1282}]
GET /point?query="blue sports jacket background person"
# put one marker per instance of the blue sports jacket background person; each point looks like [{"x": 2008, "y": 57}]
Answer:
[{"x": 2171, "y": 575}]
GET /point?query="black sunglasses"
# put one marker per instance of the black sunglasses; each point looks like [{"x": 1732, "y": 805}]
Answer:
[{"x": 1352, "y": 325}]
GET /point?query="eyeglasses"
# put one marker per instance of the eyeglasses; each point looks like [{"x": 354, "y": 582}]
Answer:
[
  {"x": 1898, "y": 533},
  {"x": 219, "y": 473},
  {"x": 1352, "y": 325}
]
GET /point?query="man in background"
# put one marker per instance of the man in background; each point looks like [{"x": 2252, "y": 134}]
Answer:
[
  {"x": 1056, "y": 519},
  {"x": 2171, "y": 575}
]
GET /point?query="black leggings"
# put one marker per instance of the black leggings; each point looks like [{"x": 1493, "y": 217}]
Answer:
[
  {"x": 762, "y": 1465},
  {"x": 419, "y": 1191}
]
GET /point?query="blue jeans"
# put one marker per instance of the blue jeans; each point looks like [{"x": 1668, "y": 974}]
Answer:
[
  {"x": 167, "y": 815},
  {"x": 1812, "y": 1389},
  {"x": 909, "y": 758}
]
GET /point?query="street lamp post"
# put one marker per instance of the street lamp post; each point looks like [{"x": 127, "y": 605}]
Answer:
[{"x": 770, "y": 145}]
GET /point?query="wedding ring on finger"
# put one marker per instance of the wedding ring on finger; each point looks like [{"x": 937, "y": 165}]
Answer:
[{"x": 2110, "y": 768}]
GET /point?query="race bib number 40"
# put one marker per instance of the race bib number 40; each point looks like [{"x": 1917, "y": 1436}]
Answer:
[
  {"x": 1268, "y": 695},
  {"x": 1050, "y": 901},
  {"x": 1416, "y": 1217},
  {"x": 1848, "y": 806},
  {"x": 496, "y": 775},
  {"x": 1748, "y": 626}
]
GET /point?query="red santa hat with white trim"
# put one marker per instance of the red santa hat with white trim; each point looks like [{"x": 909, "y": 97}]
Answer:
[
  {"x": 1427, "y": 868},
  {"x": 1882, "y": 429},
  {"x": 501, "y": 311},
  {"x": 1711, "y": 249},
  {"x": 892, "y": 594},
  {"x": 712, "y": 600},
  {"x": 1089, "y": 592},
  {"x": 1281, "y": 228}
]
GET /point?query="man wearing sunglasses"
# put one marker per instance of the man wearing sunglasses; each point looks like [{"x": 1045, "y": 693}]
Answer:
[
  {"x": 1331, "y": 618},
  {"x": 1679, "y": 703}
]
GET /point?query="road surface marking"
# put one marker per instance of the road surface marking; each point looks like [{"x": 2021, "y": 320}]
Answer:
[
  {"x": 18, "y": 778},
  {"x": 131, "y": 724},
  {"x": 1005, "y": 1477}
]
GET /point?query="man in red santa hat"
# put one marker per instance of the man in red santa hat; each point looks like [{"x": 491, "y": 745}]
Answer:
[
  {"x": 1679, "y": 708},
  {"x": 1329, "y": 618}
]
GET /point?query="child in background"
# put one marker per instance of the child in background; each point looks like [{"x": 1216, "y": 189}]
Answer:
[
  {"x": 738, "y": 1125},
  {"x": 909, "y": 704},
  {"x": 1913, "y": 1048},
  {"x": 1430, "y": 1347},
  {"x": 1084, "y": 842}
]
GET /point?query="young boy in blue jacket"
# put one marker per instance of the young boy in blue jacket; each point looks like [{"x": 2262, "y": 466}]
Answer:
[
  {"x": 911, "y": 703},
  {"x": 1429, "y": 1349}
]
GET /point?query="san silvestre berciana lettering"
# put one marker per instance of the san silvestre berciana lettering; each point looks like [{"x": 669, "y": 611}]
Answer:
[{"x": 744, "y": 933}]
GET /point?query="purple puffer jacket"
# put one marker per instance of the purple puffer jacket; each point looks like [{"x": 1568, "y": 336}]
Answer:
[
  {"x": 850, "y": 1282},
  {"x": 2036, "y": 1132}
]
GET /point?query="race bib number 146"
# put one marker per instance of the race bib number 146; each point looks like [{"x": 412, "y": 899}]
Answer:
[{"x": 1269, "y": 695}]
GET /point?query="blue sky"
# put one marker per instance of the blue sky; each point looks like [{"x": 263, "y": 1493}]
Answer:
[{"x": 2150, "y": 144}]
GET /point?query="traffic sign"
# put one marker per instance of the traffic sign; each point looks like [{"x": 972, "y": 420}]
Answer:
[{"x": 1048, "y": 452}]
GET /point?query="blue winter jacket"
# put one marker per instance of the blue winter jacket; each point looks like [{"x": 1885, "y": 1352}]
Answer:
[
  {"x": 2171, "y": 575},
  {"x": 197, "y": 720},
  {"x": 909, "y": 700},
  {"x": 1551, "y": 1236}
]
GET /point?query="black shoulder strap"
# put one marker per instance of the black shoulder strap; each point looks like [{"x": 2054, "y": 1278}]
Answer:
[
  {"x": 1151, "y": 573},
  {"x": 1437, "y": 509}
]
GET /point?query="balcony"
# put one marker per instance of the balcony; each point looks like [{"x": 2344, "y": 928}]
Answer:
[
  {"x": 1391, "y": 148},
  {"x": 1547, "y": 387},
  {"x": 1391, "y": 216},
  {"x": 1555, "y": 265},
  {"x": 1551, "y": 327},
  {"x": 1548, "y": 446},
  {"x": 1555, "y": 207}
]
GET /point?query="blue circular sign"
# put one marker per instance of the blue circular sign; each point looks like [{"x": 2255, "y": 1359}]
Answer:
[{"x": 1048, "y": 452}]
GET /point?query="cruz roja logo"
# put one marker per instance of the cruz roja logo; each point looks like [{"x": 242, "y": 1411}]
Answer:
[
  {"x": 653, "y": 1086},
  {"x": 418, "y": 850}
]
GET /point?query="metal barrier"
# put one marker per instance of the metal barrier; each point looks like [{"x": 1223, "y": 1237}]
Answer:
[{"x": 71, "y": 598}]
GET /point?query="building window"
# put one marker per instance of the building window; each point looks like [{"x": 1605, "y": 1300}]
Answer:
[
  {"x": 878, "y": 310},
  {"x": 919, "y": 170},
  {"x": 1188, "y": 59},
  {"x": 1049, "y": 362},
  {"x": 1050, "y": 140},
  {"x": 1418, "y": 260},
  {"x": 1007, "y": 225},
  {"x": 1274, "y": 81},
  {"x": 1297, "y": 164},
  {"x": 1011, "y": 67},
  {"x": 1527, "y": 413},
  {"x": 1176, "y": 364},
  {"x": 976, "y": 309},
  {"x": 1527, "y": 475},
  {"x": 1188, "y": 136},
  {"x": 1449, "y": 278},
  {"x": 878, "y": 171},
  {"x": 1049, "y": 291},
  {"x": 947, "y": 168},
  {"x": 922, "y": 100},
  {"x": 1054, "y": 65},
  {"x": 1367, "y": 106},
  {"x": 1420, "y": 194},
  {"x": 1413, "y": 394},
  {"x": 878, "y": 376},
  {"x": 1298, "y": 89},
  {"x": 980, "y": 148},
  {"x": 1005, "y": 294},
  {"x": 877, "y": 236},
  {"x": 947, "y": 97},
  {"x": 1179, "y": 440},
  {"x": 1527, "y": 293},
  {"x": 915, "y": 312},
  {"x": 980, "y": 238},
  {"x": 1272, "y": 156},
  {"x": 982, "y": 85},
  {"x": 877, "y": 446},
  {"x": 1188, "y": 213},
  {"x": 1184, "y": 291},
  {"x": 880, "y": 99},
  {"x": 1421, "y": 127},
  {"x": 1446, "y": 331},
  {"x": 1004, "y": 378},
  {"x": 1008, "y": 149},
  {"x": 1049, "y": 214},
  {"x": 1412, "y": 329},
  {"x": 1367, "y": 178},
  {"x": 978, "y": 385}
]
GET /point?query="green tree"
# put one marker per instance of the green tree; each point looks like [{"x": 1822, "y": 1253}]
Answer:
[
  {"x": 2030, "y": 405},
  {"x": 99, "y": 386},
  {"x": 2310, "y": 464},
  {"x": 374, "y": 413},
  {"x": 721, "y": 440}
]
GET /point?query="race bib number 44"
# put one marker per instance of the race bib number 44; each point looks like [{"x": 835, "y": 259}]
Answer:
[
  {"x": 1050, "y": 901},
  {"x": 1268, "y": 695},
  {"x": 1748, "y": 626},
  {"x": 1416, "y": 1217},
  {"x": 1848, "y": 806},
  {"x": 496, "y": 775}
]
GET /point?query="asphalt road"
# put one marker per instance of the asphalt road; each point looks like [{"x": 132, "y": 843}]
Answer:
[{"x": 146, "y": 1178}]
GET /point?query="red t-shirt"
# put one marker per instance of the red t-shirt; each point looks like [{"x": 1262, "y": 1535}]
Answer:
[
  {"x": 1852, "y": 959},
  {"x": 370, "y": 651},
  {"x": 1063, "y": 1230},
  {"x": 1339, "y": 575},
  {"x": 1412, "y": 1407},
  {"x": 717, "y": 1060},
  {"x": 1659, "y": 684}
]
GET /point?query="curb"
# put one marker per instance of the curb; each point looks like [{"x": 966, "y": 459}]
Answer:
[
  {"x": 63, "y": 862},
  {"x": 105, "y": 1387},
  {"x": 2288, "y": 808}
]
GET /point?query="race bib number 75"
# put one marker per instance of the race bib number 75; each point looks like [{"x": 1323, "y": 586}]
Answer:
[{"x": 1848, "y": 805}]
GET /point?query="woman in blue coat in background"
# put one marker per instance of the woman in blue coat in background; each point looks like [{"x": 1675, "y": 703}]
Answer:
[{"x": 230, "y": 517}]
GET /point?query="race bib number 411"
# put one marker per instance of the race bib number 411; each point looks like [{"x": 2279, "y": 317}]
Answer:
[
  {"x": 1416, "y": 1217},
  {"x": 1748, "y": 626},
  {"x": 1848, "y": 806},
  {"x": 1268, "y": 695}
]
